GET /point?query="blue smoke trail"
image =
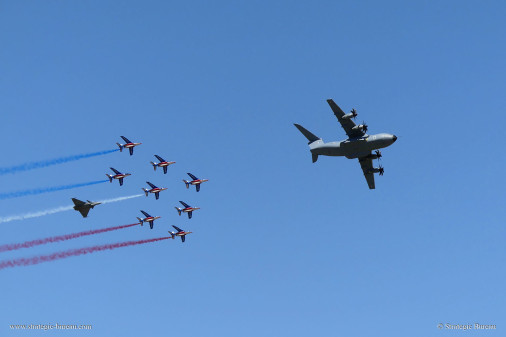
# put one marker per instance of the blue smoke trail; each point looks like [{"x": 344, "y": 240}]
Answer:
[
  {"x": 49, "y": 162},
  {"x": 41, "y": 190}
]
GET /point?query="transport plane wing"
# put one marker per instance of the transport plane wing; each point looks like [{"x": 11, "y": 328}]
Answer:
[
  {"x": 348, "y": 125},
  {"x": 369, "y": 170}
]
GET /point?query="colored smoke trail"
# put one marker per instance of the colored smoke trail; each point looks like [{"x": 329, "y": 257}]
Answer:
[
  {"x": 73, "y": 252},
  {"x": 28, "y": 244},
  {"x": 41, "y": 190},
  {"x": 50, "y": 162},
  {"x": 59, "y": 209}
]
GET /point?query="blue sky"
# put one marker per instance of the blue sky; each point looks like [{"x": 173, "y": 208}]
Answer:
[{"x": 281, "y": 246}]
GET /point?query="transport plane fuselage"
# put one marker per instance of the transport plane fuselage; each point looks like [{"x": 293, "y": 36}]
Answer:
[{"x": 353, "y": 148}]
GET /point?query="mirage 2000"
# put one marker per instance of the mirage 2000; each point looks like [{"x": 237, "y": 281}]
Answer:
[{"x": 358, "y": 145}]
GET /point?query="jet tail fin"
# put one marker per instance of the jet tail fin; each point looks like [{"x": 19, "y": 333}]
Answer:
[
  {"x": 315, "y": 157},
  {"x": 187, "y": 183},
  {"x": 310, "y": 136},
  {"x": 178, "y": 210},
  {"x": 110, "y": 177},
  {"x": 120, "y": 147},
  {"x": 154, "y": 165},
  {"x": 140, "y": 221},
  {"x": 145, "y": 191}
]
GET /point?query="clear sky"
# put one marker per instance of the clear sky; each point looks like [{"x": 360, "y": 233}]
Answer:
[{"x": 281, "y": 246}]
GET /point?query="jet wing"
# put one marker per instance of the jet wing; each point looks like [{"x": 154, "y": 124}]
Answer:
[
  {"x": 177, "y": 228},
  {"x": 125, "y": 139},
  {"x": 150, "y": 184},
  {"x": 184, "y": 203},
  {"x": 78, "y": 202},
  {"x": 145, "y": 214},
  {"x": 347, "y": 124},
  {"x": 192, "y": 176},
  {"x": 182, "y": 238},
  {"x": 366, "y": 164},
  {"x": 84, "y": 211},
  {"x": 115, "y": 171},
  {"x": 159, "y": 158}
]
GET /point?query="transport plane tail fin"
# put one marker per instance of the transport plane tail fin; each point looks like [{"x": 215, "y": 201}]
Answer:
[{"x": 311, "y": 137}]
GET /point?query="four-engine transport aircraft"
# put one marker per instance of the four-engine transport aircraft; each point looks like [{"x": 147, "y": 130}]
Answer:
[
  {"x": 163, "y": 163},
  {"x": 148, "y": 218},
  {"x": 179, "y": 232},
  {"x": 187, "y": 209},
  {"x": 196, "y": 181},
  {"x": 358, "y": 145},
  {"x": 84, "y": 207},
  {"x": 154, "y": 189},
  {"x": 128, "y": 144},
  {"x": 118, "y": 176}
]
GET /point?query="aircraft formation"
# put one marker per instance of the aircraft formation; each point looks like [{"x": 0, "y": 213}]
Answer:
[{"x": 84, "y": 207}]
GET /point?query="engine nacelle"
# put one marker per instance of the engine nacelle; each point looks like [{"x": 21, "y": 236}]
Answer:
[
  {"x": 352, "y": 114},
  {"x": 379, "y": 170},
  {"x": 375, "y": 155},
  {"x": 361, "y": 127}
]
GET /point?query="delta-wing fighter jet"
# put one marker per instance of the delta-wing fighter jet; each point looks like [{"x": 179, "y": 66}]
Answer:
[
  {"x": 84, "y": 207},
  {"x": 148, "y": 218},
  {"x": 163, "y": 163},
  {"x": 179, "y": 232},
  {"x": 128, "y": 144},
  {"x": 118, "y": 175},
  {"x": 359, "y": 144},
  {"x": 195, "y": 181},
  {"x": 154, "y": 189},
  {"x": 187, "y": 209}
]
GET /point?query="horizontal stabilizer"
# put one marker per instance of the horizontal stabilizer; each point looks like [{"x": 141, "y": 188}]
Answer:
[{"x": 311, "y": 137}]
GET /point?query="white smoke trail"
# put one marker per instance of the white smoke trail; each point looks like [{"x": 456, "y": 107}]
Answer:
[{"x": 59, "y": 209}]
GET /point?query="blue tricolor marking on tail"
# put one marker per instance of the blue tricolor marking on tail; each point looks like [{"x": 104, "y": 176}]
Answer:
[{"x": 55, "y": 161}]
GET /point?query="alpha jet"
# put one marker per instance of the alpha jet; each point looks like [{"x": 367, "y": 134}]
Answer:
[
  {"x": 84, "y": 207},
  {"x": 187, "y": 209},
  {"x": 179, "y": 232},
  {"x": 128, "y": 144},
  {"x": 118, "y": 175},
  {"x": 359, "y": 144},
  {"x": 154, "y": 189},
  {"x": 148, "y": 218},
  {"x": 195, "y": 181},
  {"x": 163, "y": 163}
]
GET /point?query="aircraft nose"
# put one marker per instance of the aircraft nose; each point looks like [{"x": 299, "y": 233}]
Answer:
[{"x": 394, "y": 138}]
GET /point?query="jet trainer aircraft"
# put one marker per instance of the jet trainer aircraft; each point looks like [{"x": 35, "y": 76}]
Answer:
[
  {"x": 196, "y": 181},
  {"x": 179, "y": 232},
  {"x": 84, "y": 207},
  {"x": 128, "y": 144},
  {"x": 118, "y": 176},
  {"x": 148, "y": 218},
  {"x": 358, "y": 145},
  {"x": 154, "y": 189},
  {"x": 187, "y": 209},
  {"x": 163, "y": 163}
]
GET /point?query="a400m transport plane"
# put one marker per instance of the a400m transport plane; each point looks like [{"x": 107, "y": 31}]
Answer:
[{"x": 358, "y": 145}]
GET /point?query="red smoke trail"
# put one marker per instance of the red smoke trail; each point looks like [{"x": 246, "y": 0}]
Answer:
[
  {"x": 28, "y": 244},
  {"x": 73, "y": 252}
]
